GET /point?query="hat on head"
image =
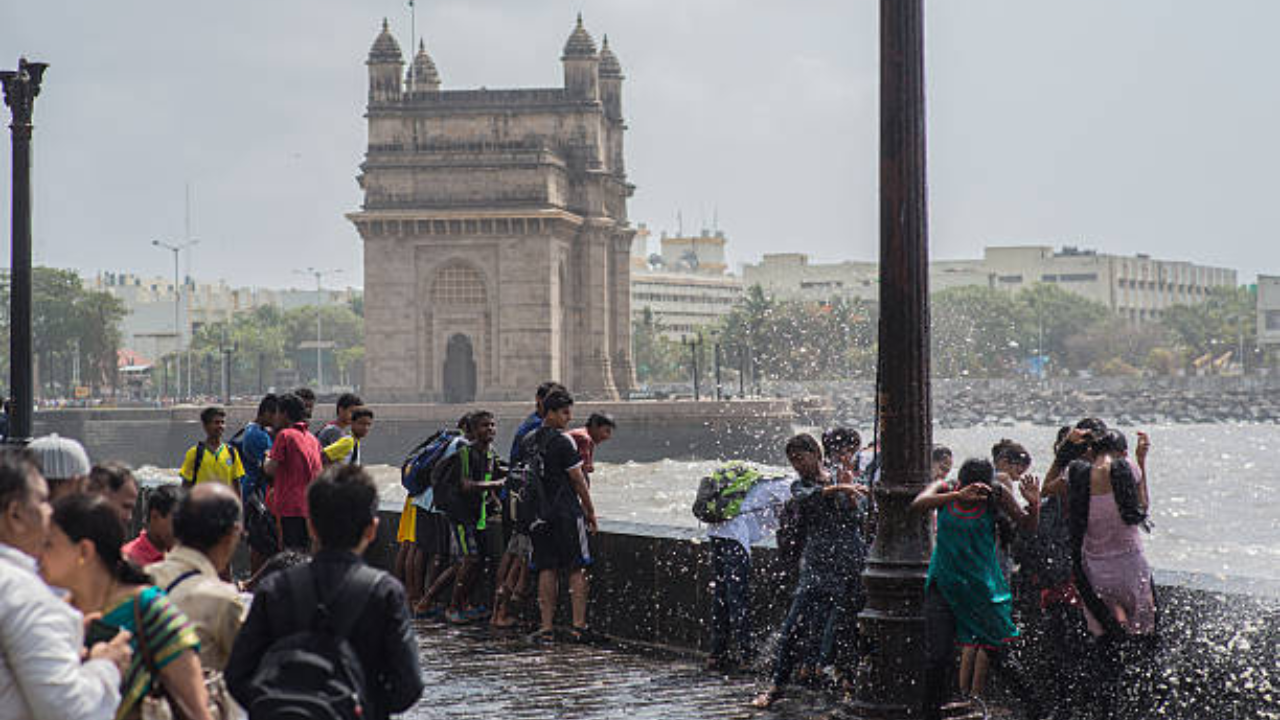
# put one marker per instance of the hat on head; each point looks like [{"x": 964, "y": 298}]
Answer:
[{"x": 60, "y": 458}]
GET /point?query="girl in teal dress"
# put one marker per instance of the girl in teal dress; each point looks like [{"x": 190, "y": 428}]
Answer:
[{"x": 967, "y": 599}]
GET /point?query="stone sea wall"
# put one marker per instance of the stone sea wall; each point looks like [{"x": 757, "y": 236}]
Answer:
[
  {"x": 1057, "y": 401},
  {"x": 1219, "y": 657}
]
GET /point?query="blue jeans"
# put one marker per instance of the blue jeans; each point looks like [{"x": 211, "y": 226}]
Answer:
[
  {"x": 731, "y": 600},
  {"x": 802, "y": 631}
]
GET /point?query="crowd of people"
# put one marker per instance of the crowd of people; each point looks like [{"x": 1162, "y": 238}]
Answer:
[
  {"x": 1007, "y": 548},
  {"x": 98, "y": 621}
]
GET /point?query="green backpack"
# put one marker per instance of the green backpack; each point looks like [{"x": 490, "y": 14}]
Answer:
[{"x": 721, "y": 493}]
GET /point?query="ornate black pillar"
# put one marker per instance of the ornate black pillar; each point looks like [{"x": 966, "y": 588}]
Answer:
[
  {"x": 20, "y": 90},
  {"x": 892, "y": 623}
]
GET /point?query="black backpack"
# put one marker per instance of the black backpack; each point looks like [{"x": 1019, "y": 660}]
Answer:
[
  {"x": 201, "y": 449},
  {"x": 531, "y": 503},
  {"x": 314, "y": 674}
]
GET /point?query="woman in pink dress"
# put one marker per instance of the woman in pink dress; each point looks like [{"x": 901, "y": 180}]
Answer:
[{"x": 1107, "y": 507}]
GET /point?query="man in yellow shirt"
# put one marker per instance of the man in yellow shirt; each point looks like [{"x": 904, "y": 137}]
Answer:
[
  {"x": 346, "y": 450},
  {"x": 212, "y": 460}
]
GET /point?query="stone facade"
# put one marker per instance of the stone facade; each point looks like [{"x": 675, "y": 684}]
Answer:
[{"x": 496, "y": 234}]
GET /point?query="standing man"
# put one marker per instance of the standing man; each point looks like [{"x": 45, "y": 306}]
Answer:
[
  {"x": 599, "y": 428},
  {"x": 346, "y": 449},
  {"x": 560, "y": 539},
  {"x": 340, "y": 426},
  {"x": 212, "y": 460},
  {"x": 294, "y": 461},
  {"x": 308, "y": 397},
  {"x": 465, "y": 480},
  {"x": 254, "y": 444},
  {"x": 207, "y": 527},
  {"x": 368, "y": 612}
]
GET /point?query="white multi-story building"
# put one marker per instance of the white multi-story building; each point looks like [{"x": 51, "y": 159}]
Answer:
[
  {"x": 148, "y": 328},
  {"x": 1269, "y": 311},
  {"x": 1137, "y": 287},
  {"x": 686, "y": 287}
]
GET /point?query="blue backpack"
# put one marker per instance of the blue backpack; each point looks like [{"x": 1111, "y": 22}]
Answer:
[{"x": 415, "y": 472}]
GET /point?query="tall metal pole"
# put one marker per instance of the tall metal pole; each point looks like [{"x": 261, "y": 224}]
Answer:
[
  {"x": 894, "y": 577},
  {"x": 177, "y": 303},
  {"x": 20, "y": 90},
  {"x": 719, "y": 390},
  {"x": 319, "y": 276}
]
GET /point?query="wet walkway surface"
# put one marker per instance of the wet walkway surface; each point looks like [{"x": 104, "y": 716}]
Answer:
[{"x": 471, "y": 673}]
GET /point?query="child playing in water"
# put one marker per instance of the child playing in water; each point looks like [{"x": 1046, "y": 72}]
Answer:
[{"x": 967, "y": 599}]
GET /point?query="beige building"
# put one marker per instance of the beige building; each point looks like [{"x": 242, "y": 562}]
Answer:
[
  {"x": 685, "y": 287},
  {"x": 1138, "y": 287},
  {"x": 495, "y": 228}
]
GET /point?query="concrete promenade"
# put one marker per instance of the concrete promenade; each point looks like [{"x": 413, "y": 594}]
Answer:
[{"x": 471, "y": 673}]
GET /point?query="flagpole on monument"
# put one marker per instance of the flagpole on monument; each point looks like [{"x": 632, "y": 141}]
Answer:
[{"x": 413, "y": 35}]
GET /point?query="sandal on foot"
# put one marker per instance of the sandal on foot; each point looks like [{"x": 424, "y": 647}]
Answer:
[
  {"x": 541, "y": 637},
  {"x": 583, "y": 635}
]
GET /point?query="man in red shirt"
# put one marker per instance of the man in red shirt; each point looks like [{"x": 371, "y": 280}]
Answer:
[
  {"x": 157, "y": 537},
  {"x": 598, "y": 429},
  {"x": 292, "y": 463}
]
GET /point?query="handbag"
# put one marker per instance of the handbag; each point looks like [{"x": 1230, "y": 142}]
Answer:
[{"x": 157, "y": 705}]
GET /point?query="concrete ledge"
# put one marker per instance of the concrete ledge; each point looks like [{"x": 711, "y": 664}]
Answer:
[{"x": 650, "y": 585}]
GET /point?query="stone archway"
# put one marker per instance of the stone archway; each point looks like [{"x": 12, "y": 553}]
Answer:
[{"x": 459, "y": 370}]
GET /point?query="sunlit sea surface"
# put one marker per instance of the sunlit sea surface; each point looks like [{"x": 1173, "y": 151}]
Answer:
[{"x": 1215, "y": 490}]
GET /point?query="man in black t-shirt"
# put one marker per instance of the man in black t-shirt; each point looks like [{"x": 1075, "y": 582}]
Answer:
[
  {"x": 466, "y": 479},
  {"x": 562, "y": 543}
]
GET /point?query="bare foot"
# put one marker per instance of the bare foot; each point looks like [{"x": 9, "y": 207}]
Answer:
[{"x": 765, "y": 700}]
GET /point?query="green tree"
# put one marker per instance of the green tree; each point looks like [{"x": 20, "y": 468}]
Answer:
[
  {"x": 1223, "y": 322},
  {"x": 656, "y": 358},
  {"x": 975, "y": 331},
  {"x": 1051, "y": 315}
]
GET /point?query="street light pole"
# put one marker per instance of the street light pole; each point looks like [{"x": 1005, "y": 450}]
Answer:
[
  {"x": 892, "y": 620},
  {"x": 319, "y": 275},
  {"x": 177, "y": 310},
  {"x": 21, "y": 87}
]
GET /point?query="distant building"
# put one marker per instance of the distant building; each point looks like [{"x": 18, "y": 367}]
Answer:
[
  {"x": 1138, "y": 287},
  {"x": 148, "y": 327},
  {"x": 685, "y": 286},
  {"x": 1269, "y": 311}
]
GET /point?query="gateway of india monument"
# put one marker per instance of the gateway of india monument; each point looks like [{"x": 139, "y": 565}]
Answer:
[{"x": 496, "y": 241}]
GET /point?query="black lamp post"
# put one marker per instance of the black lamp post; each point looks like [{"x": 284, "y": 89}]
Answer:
[
  {"x": 21, "y": 87},
  {"x": 893, "y": 621},
  {"x": 694, "y": 346}
]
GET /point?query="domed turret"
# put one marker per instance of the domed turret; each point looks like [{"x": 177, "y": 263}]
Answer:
[
  {"x": 386, "y": 66},
  {"x": 385, "y": 48},
  {"x": 580, "y": 43},
  {"x": 610, "y": 81},
  {"x": 609, "y": 65},
  {"x": 581, "y": 65},
  {"x": 423, "y": 75}
]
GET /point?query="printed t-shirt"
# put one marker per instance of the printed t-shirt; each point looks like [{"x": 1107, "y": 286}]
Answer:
[
  {"x": 346, "y": 451},
  {"x": 297, "y": 455},
  {"x": 218, "y": 465}
]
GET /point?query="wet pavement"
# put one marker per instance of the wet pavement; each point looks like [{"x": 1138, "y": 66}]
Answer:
[{"x": 471, "y": 673}]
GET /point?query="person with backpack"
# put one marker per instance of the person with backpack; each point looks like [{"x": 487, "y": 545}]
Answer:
[
  {"x": 435, "y": 532},
  {"x": 463, "y": 484},
  {"x": 560, "y": 514},
  {"x": 330, "y": 639},
  {"x": 292, "y": 464},
  {"x": 212, "y": 460},
  {"x": 732, "y": 531},
  {"x": 253, "y": 441}
]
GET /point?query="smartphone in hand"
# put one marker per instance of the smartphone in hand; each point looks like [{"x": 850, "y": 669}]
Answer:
[{"x": 99, "y": 632}]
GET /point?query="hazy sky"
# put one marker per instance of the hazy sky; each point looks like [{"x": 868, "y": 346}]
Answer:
[{"x": 1135, "y": 126}]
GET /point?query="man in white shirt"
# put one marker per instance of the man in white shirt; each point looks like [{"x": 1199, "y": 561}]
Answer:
[
  {"x": 41, "y": 673},
  {"x": 731, "y": 543}
]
